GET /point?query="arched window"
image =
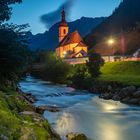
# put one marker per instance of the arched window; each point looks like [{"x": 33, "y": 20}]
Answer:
[{"x": 64, "y": 31}]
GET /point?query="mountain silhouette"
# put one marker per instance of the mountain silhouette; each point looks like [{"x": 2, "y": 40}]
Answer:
[{"x": 49, "y": 39}]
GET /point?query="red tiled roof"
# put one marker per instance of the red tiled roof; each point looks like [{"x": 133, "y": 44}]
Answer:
[{"x": 71, "y": 38}]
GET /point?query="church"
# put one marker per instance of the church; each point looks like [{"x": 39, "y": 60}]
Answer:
[{"x": 71, "y": 45}]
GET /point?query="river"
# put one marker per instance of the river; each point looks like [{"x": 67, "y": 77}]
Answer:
[{"x": 84, "y": 112}]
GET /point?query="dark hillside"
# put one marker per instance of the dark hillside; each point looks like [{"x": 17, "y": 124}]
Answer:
[{"x": 124, "y": 19}]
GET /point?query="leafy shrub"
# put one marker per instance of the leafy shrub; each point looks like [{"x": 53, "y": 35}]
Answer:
[
  {"x": 94, "y": 64},
  {"x": 55, "y": 69},
  {"x": 80, "y": 77}
]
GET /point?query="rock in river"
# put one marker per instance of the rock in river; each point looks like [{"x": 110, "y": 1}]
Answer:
[
  {"x": 41, "y": 109},
  {"x": 76, "y": 136},
  {"x": 136, "y": 94},
  {"x": 128, "y": 91}
]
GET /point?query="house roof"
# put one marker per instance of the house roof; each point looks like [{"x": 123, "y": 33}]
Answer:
[{"x": 72, "y": 38}]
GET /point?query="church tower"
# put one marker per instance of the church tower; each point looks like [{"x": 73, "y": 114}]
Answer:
[{"x": 63, "y": 28}]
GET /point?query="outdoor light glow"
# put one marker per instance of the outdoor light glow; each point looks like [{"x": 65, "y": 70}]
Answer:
[{"x": 111, "y": 41}]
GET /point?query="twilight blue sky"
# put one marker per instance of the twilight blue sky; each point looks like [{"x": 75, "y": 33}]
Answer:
[{"x": 31, "y": 10}]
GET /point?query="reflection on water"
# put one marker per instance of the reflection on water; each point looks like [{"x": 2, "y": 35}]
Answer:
[
  {"x": 85, "y": 113},
  {"x": 65, "y": 123},
  {"x": 110, "y": 132},
  {"x": 110, "y": 107}
]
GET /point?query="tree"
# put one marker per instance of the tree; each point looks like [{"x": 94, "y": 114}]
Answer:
[
  {"x": 54, "y": 69},
  {"x": 14, "y": 53},
  {"x": 94, "y": 64},
  {"x": 5, "y": 10},
  {"x": 80, "y": 77}
]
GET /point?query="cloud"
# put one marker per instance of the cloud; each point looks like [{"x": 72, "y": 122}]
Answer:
[{"x": 53, "y": 17}]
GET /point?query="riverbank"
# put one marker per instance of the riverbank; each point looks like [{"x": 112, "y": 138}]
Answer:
[
  {"x": 20, "y": 121},
  {"x": 120, "y": 81},
  {"x": 113, "y": 91},
  {"x": 113, "y": 83}
]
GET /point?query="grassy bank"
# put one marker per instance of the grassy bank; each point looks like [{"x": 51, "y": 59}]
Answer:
[
  {"x": 19, "y": 121},
  {"x": 127, "y": 73}
]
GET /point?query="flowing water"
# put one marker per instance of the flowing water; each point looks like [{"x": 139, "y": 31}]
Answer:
[{"x": 84, "y": 112}]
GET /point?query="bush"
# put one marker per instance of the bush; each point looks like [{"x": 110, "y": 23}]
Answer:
[
  {"x": 80, "y": 77},
  {"x": 55, "y": 69},
  {"x": 94, "y": 64}
]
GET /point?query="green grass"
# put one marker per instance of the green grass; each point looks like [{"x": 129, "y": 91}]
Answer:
[
  {"x": 127, "y": 73},
  {"x": 14, "y": 126}
]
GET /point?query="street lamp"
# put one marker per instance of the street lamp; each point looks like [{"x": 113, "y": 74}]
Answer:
[{"x": 111, "y": 42}]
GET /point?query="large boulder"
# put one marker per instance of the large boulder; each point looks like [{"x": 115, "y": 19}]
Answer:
[
  {"x": 134, "y": 101},
  {"x": 136, "y": 94},
  {"x": 125, "y": 100},
  {"x": 76, "y": 136},
  {"x": 116, "y": 97},
  {"x": 106, "y": 96},
  {"x": 127, "y": 91}
]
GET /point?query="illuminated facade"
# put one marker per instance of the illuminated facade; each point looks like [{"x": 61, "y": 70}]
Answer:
[{"x": 70, "y": 45}]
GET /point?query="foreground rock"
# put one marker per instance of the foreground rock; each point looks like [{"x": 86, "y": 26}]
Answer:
[
  {"x": 20, "y": 121},
  {"x": 31, "y": 100},
  {"x": 37, "y": 120},
  {"x": 27, "y": 96},
  {"x": 76, "y": 136}
]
